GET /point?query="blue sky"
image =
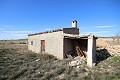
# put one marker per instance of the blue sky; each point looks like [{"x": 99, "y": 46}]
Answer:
[{"x": 21, "y": 17}]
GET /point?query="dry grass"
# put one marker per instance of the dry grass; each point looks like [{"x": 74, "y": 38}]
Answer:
[{"x": 17, "y": 63}]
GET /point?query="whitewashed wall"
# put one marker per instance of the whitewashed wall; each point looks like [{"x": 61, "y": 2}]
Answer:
[{"x": 53, "y": 43}]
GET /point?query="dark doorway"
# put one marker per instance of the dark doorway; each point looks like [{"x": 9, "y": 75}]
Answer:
[
  {"x": 42, "y": 46},
  {"x": 75, "y": 47}
]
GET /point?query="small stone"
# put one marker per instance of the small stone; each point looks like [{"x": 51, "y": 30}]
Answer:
[
  {"x": 86, "y": 73},
  {"x": 78, "y": 67},
  {"x": 37, "y": 59},
  {"x": 86, "y": 69},
  {"x": 94, "y": 64},
  {"x": 118, "y": 61},
  {"x": 78, "y": 62},
  {"x": 73, "y": 63},
  {"x": 61, "y": 76}
]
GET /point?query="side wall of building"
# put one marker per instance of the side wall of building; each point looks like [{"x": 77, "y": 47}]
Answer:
[
  {"x": 36, "y": 43},
  {"x": 53, "y": 43}
]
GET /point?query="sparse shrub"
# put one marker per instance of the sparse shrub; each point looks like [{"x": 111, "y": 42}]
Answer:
[
  {"x": 46, "y": 56},
  {"x": 115, "y": 58},
  {"x": 17, "y": 74},
  {"x": 74, "y": 73},
  {"x": 55, "y": 78},
  {"x": 22, "y": 43},
  {"x": 67, "y": 77},
  {"x": 31, "y": 55},
  {"x": 5, "y": 51},
  {"x": 60, "y": 70},
  {"x": 3, "y": 78},
  {"x": 47, "y": 76},
  {"x": 12, "y": 43},
  {"x": 32, "y": 66},
  {"x": 88, "y": 77},
  {"x": 39, "y": 75},
  {"x": 68, "y": 70}
]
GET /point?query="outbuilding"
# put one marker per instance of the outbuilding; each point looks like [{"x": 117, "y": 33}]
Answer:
[{"x": 64, "y": 42}]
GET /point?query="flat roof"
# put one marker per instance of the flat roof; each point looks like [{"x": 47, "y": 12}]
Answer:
[
  {"x": 50, "y": 31},
  {"x": 80, "y": 36},
  {"x": 46, "y": 32}
]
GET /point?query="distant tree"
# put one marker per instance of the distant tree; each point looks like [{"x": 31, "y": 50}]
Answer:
[
  {"x": 113, "y": 38},
  {"x": 118, "y": 36}
]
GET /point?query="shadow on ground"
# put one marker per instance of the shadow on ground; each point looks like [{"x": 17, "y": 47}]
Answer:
[{"x": 101, "y": 55}]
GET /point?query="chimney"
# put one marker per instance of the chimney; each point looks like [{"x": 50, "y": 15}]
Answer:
[{"x": 74, "y": 24}]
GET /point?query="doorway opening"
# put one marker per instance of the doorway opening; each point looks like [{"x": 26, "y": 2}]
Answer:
[{"x": 42, "y": 46}]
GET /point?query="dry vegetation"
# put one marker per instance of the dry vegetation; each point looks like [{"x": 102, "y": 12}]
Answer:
[{"x": 17, "y": 63}]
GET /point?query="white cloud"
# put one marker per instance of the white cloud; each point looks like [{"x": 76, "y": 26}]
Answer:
[
  {"x": 104, "y": 26},
  {"x": 16, "y": 31},
  {"x": 21, "y": 34},
  {"x": 14, "y": 34},
  {"x": 98, "y": 32}
]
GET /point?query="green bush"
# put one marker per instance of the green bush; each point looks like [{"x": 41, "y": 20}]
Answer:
[{"x": 12, "y": 43}]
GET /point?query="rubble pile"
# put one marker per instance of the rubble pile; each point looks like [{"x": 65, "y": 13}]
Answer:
[{"x": 78, "y": 61}]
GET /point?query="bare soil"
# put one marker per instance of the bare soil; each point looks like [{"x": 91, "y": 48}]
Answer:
[{"x": 112, "y": 46}]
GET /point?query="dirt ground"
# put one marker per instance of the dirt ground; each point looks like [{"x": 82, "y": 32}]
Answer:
[{"x": 112, "y": 46}]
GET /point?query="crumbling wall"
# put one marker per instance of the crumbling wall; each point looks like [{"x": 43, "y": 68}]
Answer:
[{"x": 71, "y": 30}]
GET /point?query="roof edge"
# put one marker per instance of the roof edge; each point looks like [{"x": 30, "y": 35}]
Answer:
[{"x": 51, "y": 31}]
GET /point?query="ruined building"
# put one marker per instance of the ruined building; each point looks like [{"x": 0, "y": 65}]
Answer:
[{"x": 64, "y": 42}]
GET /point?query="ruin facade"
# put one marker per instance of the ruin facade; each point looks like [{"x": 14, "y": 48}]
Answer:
[{"x": 64, "y": 42}]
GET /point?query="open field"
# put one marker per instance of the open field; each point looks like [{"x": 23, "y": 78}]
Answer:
[
  {"x": 17, "y": 63},
  {"x": 112, "y": 46}
]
